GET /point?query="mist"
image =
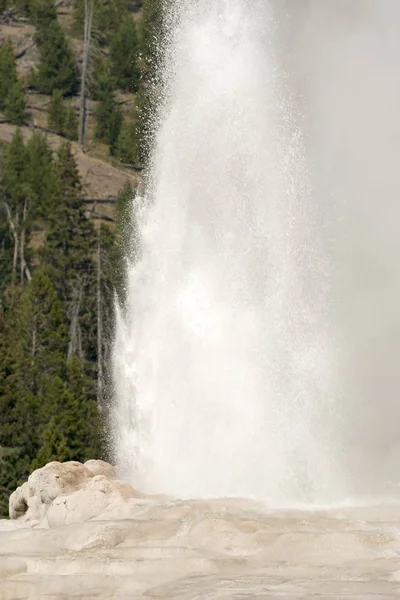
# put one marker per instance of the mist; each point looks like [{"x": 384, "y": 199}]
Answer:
[{"x": 343, "y": 60}]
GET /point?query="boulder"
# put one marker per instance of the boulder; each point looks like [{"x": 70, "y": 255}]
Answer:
[
  {"x": 64, "y": 493},
  {"x": 31, "y": 500}
]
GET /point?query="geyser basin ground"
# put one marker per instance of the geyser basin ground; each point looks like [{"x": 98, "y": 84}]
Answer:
[
  {"x": 135, "y": 546},
  {"x": 208, "y": 549}
]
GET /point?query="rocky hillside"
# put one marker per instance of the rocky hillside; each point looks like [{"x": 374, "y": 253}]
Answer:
[{"x": 102, "y": 174}]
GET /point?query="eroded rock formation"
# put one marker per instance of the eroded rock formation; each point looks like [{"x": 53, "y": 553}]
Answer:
[{"x": 64, "y": 493}]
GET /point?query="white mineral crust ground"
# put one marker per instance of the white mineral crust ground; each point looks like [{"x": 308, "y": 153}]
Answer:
[{"x": 87, "y": 535}]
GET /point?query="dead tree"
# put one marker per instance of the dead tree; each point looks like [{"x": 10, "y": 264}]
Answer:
[
  {"x": 87, "y": 32},
  {"x": 75, "y": 335},
  {"x": 18, "y": 245},
  {"x": 99, "y": 328}
]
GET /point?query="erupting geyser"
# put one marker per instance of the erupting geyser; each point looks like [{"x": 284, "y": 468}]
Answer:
[{"x": 240, "y": 362}]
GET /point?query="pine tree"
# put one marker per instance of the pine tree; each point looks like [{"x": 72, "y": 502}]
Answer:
[
  {"x": 151, "y": 33},
  {"x": 14, "y": 168},
  {"x": 70, "y": 236},
  {"x": 108, "y": 120},
  {"x": 56, "y": 112},
  {"x": 40, "y": 175},
  {"x": 14, "y": 105},
  {"x": 62, "y": 119},
  {"x": 100, "y": 80},
  {"x": 137, "y": 135},
  {"x": 54, "y": 447},
  {"x": 128, "y": 143},
  {"x": 57, "y": 68},
  {"x": 43, "y": 12},
  {"x": 107, "y": 16},
  {"x": 124, "y": 51},
  {"x": 69, "y": 256},
  {"x": 125, "y": 242},
  {"x": 71, "y": 124},
  {"x": 8, "y": 72},
  {"x": 6, "y": 250},
  {"x": 36, "y": 338}
]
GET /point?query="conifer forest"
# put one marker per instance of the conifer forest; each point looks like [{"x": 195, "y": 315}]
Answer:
[{"x": 77, "y": 84}]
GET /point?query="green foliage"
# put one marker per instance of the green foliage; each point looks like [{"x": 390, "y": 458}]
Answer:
[
  {"x": 12, "y": 92},
  {"x": 150, "y": 32},
  {"x": 100, "y": 78},
  {"x": 48, "y": 322},
  {"x": 70, "y": 236},
  {"x": 127, "y": 144},
  {"x": 62, "y": 119},
  {"x": 14, "y": 105},
  {"x": 108, "y": 120},
  {"x": 126, "y": 238},
  {"x": 48, "y": 326},
  {"x": 71, "y": 124},
  {"x": 39, "y": 175},
  {"x": 14, "y": 164},
  {"x": 56, "y": 112},
  {"x": 106, "y": 17},
  {"x": 57, "y": 69},
  {"x": 136, "y": 135},
  {"x": 43, "y": 12},
  {"x": 54, "y": 447},
  {"x": 8, "y": 72},
  {"x": 124, "y": 50}
]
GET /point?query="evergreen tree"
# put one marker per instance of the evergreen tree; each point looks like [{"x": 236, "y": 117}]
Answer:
[
  {"x": 124, "y": 50},
  {"x": 70, "y": 238},
  {"x": 46, "y": 409},
  {"x": 40, "y": 175},
  {"x": 57, "y": 69},
  {"x": 71, "y": 124},
  {"x": 14, "y": 105},
  {"x": 108, "y": 120},
  {"x": 36, "y": 338},
  {"x": 43, "y": 12},
  {"x": 14, "y": 170},
  {"x": 127, "y": 143},
  {"x": 125, "y": 242},
  {"x": 8, "y": 72},
  {"x": 6, "y": 250},
  {"x": 56, "y": 112},
  {"x": 12, "y": 92},
  {"x": 100, "y": 79},
  {"x": 62, "y": 119},
  {"x": 136, "y": 135},
  {"x": 68, "y": 256},
  {"x": 106, "y": 17},
  {"x": 54, "y": 447},
  {"x": 151, "y": 33}
]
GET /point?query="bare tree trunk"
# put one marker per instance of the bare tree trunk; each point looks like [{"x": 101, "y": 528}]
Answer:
[
  {"x": 16, "y": 241},
  {"x": 75, "y": 338},
  {"x": 85, "y": 59},
  {"x": 33, "y": 343},
  {"x": 14, "y": 227},
  {"x": 22, "y": 242},
  {"x": 99, "y": 330}
]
